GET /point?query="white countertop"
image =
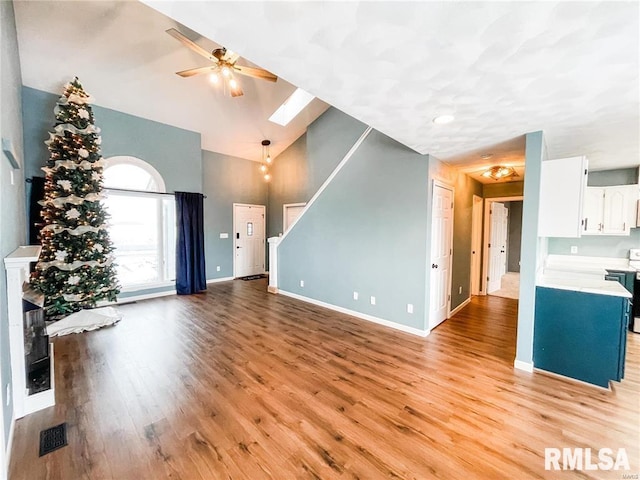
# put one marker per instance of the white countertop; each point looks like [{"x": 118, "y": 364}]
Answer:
[{"x": 586, "y": 284}]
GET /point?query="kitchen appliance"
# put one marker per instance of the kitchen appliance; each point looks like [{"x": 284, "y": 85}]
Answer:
[{"x": 634, "y": 262}]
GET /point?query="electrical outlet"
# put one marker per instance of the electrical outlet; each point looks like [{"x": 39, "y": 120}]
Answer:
[
  {"x": 217, "y": 268},
  {"x": 302, "y": 283},
  {"x": 373, "y": 300},
  {"x": 409, "y": 307},
  {"x": 574, "y": 249},
  {"x": 460, "y": 290},
  {"x": 355, "y": 295}
]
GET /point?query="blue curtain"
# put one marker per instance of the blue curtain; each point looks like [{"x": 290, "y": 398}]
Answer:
[{"x": 190, "y": 267}]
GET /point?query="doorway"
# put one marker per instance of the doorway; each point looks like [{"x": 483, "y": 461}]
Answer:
[
  {"x": 290, "y": 213},
  {"x": 441, "y": 253},
  {"x": 248, "y": 239},
  {"x": 501, "y": 253}
]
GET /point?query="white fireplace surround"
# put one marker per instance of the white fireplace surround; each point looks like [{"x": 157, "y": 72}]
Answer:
[{"x": 17, "y": 268}]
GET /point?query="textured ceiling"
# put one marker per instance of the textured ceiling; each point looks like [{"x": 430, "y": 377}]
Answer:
[
  {"x": 502, "y": 68},
  {"x": 124, "y": 58}
]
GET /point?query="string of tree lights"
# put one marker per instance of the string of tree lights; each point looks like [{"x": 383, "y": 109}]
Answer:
[{"x": 75, "y": 269}]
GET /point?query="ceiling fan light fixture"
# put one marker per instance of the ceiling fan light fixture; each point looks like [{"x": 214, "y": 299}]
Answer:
[
  {"x": 500, "y": 172},
  {"x": 267, "y": 177},
  {"x": 263, "y": 168},
  {"x": 214, "y": 78},
  {"x": 226, "y": 71},
  {"x": 233, "y": 83}
]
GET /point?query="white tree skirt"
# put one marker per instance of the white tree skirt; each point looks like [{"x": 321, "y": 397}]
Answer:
[{"x": 85, "y": 320}]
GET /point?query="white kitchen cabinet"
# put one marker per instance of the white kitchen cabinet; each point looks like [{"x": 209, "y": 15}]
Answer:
[
  {"x": 610, "y": 210},
  {"x": 562, "y": 187},
  {"x": 593, "y": 210}
]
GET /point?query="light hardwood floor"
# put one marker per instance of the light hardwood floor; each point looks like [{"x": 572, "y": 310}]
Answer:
[{"x": 237, "y": 383}]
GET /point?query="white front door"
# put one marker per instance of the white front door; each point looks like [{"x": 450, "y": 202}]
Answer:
[
  {"x": 249, "y": 239},
  {"x": 497, "y": 246},
  {"x": 441, "y": 250}
]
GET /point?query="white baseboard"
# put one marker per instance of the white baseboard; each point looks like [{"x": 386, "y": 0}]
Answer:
[
  {"x": 216, "y": 280},
  {"x": 459, "y": 307},
  {"x": 524, "y": 366},
  {"x": 353, "y": 313},
  {"x": 146, "y": 296}
]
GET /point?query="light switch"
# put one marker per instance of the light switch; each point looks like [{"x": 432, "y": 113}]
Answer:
[
  {"x": 574, "y": 249},
  {"x": 224, "y": 235}
]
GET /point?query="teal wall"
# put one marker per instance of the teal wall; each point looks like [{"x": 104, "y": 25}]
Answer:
[
  {"x": 299, "y": 171},
  {"x": 515, "y": 235},
  {"x": 174, "y": 152},
  {"x": 620, "y": 176},
  {"x": 12, "y": 218},
  {"x": 227, "y": 180},
  {"x": 366, "y": 232},
  {"x": 596, "y": 245},
  {"x": 535, "y": 153}
]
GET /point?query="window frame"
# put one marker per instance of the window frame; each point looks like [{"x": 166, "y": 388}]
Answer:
[{"x": 164, "y": 221}]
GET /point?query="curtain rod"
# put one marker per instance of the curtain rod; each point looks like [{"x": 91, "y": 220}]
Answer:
[
  {"x": 143, "y": 191},
  {"x": 28, "y": 180}
]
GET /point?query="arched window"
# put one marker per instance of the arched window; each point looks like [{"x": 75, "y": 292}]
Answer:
[
  {"x": 141, "y": 224},
  {"x": 131, "y": 173}
]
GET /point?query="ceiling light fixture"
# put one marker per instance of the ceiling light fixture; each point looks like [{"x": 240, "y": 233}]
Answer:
[
  {"x": 443, "y": 119},
  {"x": 500, "y": 172},
  {"x": 214, "y": 78},
  {"x": 266, "y": 160},
  {"x": 486, "y": 156}
]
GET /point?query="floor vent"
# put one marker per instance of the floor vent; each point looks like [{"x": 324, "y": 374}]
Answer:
[{"x": 53, "y": 438}]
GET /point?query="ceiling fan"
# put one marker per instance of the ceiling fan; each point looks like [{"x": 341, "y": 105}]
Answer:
[{"x": 224, "y": 64}]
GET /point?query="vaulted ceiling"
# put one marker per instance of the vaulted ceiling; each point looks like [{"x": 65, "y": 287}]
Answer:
[{"x": 501, "y": 68}]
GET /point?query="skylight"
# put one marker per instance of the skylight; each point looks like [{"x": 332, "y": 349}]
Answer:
[{"x": 291, "y": 107}]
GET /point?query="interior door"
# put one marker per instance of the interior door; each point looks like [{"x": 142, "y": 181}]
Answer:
[
  {"x": 249, "y": 239},
  {"x": 441, "y": 250},
  {"x": 497, "y": 246}
]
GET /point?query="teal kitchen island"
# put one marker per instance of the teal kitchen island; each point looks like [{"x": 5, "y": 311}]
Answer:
[{"x": 581, "y": 329}]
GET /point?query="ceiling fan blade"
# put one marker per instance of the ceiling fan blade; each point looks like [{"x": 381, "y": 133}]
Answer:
[
  {"x": 195, "y": 71},
  {"x": 237, "y": 92},
  {"x": 256, "y": 73},
  {"x": 189, "y": 44}
]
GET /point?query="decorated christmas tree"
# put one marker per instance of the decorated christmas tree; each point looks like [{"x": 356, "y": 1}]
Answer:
[{"x": 75, "y": 269}]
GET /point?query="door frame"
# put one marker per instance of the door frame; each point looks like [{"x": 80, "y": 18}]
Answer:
[
  {"x": 284, "y": 214},
  {"x": 487, "y": 236},
  {"x": 477, "y": 210},
  {"x": 264, "y": 231},
  {"x": 446, "y": 186}
]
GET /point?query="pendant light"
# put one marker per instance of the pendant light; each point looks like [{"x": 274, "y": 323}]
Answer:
[{"x": 266, "y": 160}]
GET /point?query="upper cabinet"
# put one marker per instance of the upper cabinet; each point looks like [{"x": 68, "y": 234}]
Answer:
[
  {"x": 562, "y": 190},
  {"x": 610, "y": 210}
]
